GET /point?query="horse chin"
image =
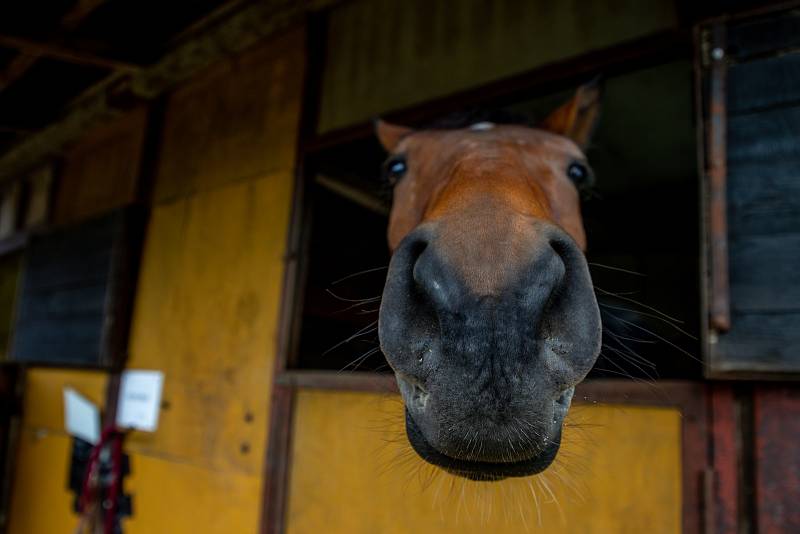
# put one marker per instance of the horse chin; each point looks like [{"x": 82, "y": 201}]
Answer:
[{"x": 481, "y": 471}]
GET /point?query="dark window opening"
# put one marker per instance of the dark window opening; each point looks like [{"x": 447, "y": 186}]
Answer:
[{"x": 642, "y": 225}]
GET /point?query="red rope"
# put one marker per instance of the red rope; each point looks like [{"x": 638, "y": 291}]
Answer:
[{"x": 114, "y": 438}]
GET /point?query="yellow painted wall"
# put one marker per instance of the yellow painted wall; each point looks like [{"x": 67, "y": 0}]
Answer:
[
  {"x": 207, "y": 307},
  {"x": 40, "y": 501},
  {"x": 619, "y": 471},
  {"x": 100, "y": 173},
  {"x": 207, "y": 304},
  {"x": 384, "y": 54}
]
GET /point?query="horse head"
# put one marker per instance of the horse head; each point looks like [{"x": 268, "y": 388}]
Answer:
[{"x": 488, "y": 316}]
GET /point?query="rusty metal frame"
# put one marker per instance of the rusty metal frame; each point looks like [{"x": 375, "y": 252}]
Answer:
[{"x": 715, "y": 173}]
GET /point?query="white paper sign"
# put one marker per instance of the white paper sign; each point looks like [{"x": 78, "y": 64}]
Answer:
[
  {"x": 139, "y": 400},
  {"x": 81, "y": 416}
]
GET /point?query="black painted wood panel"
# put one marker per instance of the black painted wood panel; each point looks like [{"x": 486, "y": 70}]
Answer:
[
  {"x": 763, "y": 199},
  {"x": 764, "y": 172},
  {"x": 765, "y": 274},
  {"x": 764, "y": 84},
  {"x": 760, "y": 343},
  {"x": 762, "y": 36},
  {"x": 76, "y": 292}
]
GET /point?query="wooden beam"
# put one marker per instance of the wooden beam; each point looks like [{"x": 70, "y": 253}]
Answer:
[
  {"x": 240, "y": 30},
  {"x": 353, "y": 194},
  {"x": 79, "y": 12},
  {"x": 17, "y": 68},
  {"x": 21, "y": 64},
  {"x": 37, "y": 49}
]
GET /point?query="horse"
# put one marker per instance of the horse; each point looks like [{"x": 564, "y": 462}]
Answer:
[{"x": 488, "y": 316}]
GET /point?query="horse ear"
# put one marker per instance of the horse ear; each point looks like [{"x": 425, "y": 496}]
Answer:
[
  {"x": 390, "y": 134},
  {"x": 577, "y": 117}
]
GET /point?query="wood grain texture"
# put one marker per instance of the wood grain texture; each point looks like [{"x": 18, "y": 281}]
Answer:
[
  {"x": 72, "y": 282},
  {"x": 764, "y": 84},
  {"x": 101, "y": 171},
  {"x": 206, "y": 315},
  {"x": 725, "y": 459},
  {"x": 40, "y": 197},
  {"x": 777, "y": 449},
  {"x": 353, "y": 472},
  {"x": 763, "y": 194},
  {"x": 41, "y": 483},
  {"x": 237, "y": 120},
  {"x": 178, "y": 498},
  {"x": 764, "y": 273},
  {"x": 9, "y": 280},
  {"x": 385, "y": 55},
  {"x": 761, "y": 342},
  {"x": 760, "y": 35},
  {"x": 42, "y": 456}
]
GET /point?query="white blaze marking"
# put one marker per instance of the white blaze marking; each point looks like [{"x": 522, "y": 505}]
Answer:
[{"x": 482, "y": 126}]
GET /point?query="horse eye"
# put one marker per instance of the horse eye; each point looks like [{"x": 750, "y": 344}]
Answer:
[
  {"x": 395, "y": 168},
  {"x": 579, "y": 174}
]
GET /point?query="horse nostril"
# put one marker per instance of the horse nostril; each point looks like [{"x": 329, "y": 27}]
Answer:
[
  {"x": 416, "y": 396},
  {"x": 560, "y": 247}
]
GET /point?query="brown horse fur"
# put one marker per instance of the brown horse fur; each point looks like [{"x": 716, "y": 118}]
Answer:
[{"x": 488, "y": 316}]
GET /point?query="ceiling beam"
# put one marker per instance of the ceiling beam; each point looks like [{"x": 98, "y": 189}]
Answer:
[
  {"x": 354, "y": 194},
  {"x": 234, "y": 33},
  {"x": 37, "y": 49},
  {"x": 22, "y": 63}
]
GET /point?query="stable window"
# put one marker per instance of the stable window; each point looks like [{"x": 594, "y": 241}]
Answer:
[{"x": 642, "y": 223}]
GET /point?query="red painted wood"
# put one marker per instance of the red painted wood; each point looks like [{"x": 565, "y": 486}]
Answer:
[
  {"x": 723, "y": 511},
  {"x": 777, "y": 451}
]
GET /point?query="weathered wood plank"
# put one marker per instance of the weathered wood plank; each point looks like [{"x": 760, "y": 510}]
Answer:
[
  {"x": 764, "y": 273},
  {"x": 762, "y": 35},
  {"x": 429, "y": 50},
  {"x": 100, "y": 173},
  {"x": 764, "y": 197},
  {"x": 9, "y": 279},
  {"x": 248, "y": 124},
  {"x": 353, "y": 436},
  {"x": 760, "y": 342},
  {"x": 759, "y": 137},
  {"x": 777, "y": 449},
  {"x": 41, "y": 461},
  {"x": 67, "y": 312},
  {"x": 763, "y": 84}
]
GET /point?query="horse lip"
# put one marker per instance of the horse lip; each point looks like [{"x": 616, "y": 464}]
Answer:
[{"x": 480, "y": 470}]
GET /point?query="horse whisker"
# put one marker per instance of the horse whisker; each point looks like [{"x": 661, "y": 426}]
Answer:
[
  {"x": 372, "y": 327},
  {"x": 359, "y": 301},
  {"x": 611, "y": 268},
  {"x": 359, "y": 273},
  {"x": 634, "y": 301},
  {"x": 668, "y": 342}
]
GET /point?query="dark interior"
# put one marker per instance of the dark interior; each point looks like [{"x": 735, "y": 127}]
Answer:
[{"x": 641, "y": 220}]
